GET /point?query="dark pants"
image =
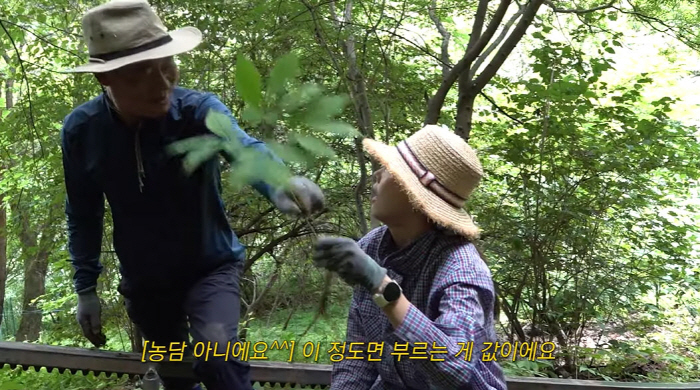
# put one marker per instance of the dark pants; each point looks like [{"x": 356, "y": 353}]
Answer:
[{"x": 212, "y": 307}]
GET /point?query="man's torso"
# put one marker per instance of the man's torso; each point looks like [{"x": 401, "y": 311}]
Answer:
[{"x": 168, "y": 225}]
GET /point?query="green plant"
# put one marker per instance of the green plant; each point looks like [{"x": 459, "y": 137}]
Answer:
[{"x": 300, "y": 112}]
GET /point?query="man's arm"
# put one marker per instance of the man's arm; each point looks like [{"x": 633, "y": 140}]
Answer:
[
  {"x": 84, "y": 209},
  {"x": 354, "y": 374},
  {"x": 211, "y": 102}
]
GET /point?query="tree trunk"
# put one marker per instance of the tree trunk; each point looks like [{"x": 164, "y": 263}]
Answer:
[
  {"x": 465, "y": 111},
  {"x": 36, "y": 260},
  {"x": 9, "y": 83},
  {"x": 34, "y": 287},
  {"x": 136, "y": 339},
  {"x": 470, "y": 83},
  {"x": 358, "y": 93},
  {"x": 3, "y": 250}
]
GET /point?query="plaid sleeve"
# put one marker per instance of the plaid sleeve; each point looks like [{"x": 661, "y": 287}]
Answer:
[
  {"x": 351, "y": 374},
  {"x": 459, "y": 329}
]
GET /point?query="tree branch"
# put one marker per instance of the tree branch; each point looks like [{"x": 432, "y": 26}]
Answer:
[
  {"x": 29, "y": 90},
  {"x": 295, "y": 232},
  {"x": 650, "y": 20},
  {"x": 270, "y": 246},
  {"x": 508, "y": 45},
  {"x": 494, "y": 44},
  {"x": 501, "y": 110},
  {"x": 479, "y": 18},
  {"x": 257, "y": 219},
  {"x": 445, "y": 45},
  {"x": 423, "y": 50},
  {"x": 436, "y": 102},
  {"x": 577, "y": 11},
  {"x": 319, "y": 36},
  {"x": 371, "y": 30},
  {"x": 41, "y": 37}
]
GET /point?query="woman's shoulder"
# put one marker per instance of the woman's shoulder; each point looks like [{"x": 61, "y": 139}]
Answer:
[{"x": 461, "y": 260}]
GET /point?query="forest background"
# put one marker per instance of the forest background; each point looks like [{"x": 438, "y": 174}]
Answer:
[{"x": 585, "y": 115}]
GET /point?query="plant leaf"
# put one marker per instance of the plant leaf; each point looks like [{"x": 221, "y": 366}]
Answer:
[
  {"x": 251, "y": 166},
  {"x": 339, "y": 128},
  {"x": 194, "y": 143},
  {"x": 219, "y": 123},
  {"x": 288, "y": 153},
  {"x": 196, "y": 158},
  {"x": 248, "y": 82},
  {"x": 197, "y": 150},
  {"x": 314, "y": 145},
  {"x": 286, "y": 68},
  {"x": 326, "y": 107},
  {"x": 299, "y": 97},
  {"x": 252, "y": 115}
]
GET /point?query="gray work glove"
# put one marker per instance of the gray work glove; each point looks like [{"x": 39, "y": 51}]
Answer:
[
  {"x": 303, "y": 190},
  {"x": 89, "y": 312},
  {"x": 343, "y": 256}
]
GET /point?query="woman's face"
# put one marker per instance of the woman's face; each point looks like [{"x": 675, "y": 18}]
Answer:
[{"x": 389, "y": 202}]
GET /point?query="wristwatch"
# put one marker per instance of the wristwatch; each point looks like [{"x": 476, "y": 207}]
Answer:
[{"x": 390, "y": 293}]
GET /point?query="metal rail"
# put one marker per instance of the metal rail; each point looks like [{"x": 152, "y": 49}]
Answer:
[{"x": 77, "y": 360}]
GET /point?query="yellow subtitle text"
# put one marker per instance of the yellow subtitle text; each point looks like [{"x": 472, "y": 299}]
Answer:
[{"x": 342, "y": 350}]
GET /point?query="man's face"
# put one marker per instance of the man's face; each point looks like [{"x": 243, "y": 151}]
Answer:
[
  {"x": 143, "y": 89},
  {"x": 389, "y": 203}
]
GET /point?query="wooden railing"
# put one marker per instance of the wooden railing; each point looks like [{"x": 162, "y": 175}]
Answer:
[{"x": 123, "y": 363}]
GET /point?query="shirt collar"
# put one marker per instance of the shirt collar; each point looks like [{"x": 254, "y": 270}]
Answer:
[{"x": 410, "y": 258}]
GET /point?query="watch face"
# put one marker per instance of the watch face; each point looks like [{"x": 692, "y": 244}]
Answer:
[{"x": 392, "y": 291}]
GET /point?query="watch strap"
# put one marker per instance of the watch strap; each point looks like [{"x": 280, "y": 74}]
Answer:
[{"x": 379, "y": 299}]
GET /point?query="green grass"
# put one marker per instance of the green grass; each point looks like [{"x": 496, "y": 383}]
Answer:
[{"x": 329, "y": 328}]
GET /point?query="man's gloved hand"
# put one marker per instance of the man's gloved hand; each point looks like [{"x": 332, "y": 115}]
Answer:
[
  {"x": 303, "y": 190},
  {"x": 343, "y": 256},
  {"x": 89, "y": 312}
]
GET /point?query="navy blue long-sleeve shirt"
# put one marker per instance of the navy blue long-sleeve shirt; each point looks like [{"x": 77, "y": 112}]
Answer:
[{"x": 169, "y": 228}]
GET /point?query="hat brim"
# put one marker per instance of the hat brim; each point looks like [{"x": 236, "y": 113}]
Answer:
[
  {"x": 184, "y": 40},
  {"x": 422, "y": 198}
]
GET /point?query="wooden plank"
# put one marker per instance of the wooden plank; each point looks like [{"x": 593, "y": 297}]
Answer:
[
  {"x": 527, "y": 383},
  {"x": 99, "y": 361},
  {"x": 305, "y": 374}
]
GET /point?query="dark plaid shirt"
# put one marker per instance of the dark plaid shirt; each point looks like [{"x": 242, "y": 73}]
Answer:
[{"x": 452, "y": 297}]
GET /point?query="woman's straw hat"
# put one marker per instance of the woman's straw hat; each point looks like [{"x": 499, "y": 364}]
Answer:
[{"x": 438, "y": 170}]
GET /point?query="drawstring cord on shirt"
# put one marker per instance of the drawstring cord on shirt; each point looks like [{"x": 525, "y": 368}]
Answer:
[{"x": 140, "y": 171}]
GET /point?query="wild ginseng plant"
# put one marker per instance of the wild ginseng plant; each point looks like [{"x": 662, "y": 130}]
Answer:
[{"x": 304, "y": 110}]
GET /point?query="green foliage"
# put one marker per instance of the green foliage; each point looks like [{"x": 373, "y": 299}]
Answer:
[
  {"x": 16, "y": 379},
  {"x": 594, "y": 214},
  {"x": 579, "y": 198},
  {"x": 302, "y": 109},
  {"x": 248, "y": 82},
  {"x": 320, "y": 338}
]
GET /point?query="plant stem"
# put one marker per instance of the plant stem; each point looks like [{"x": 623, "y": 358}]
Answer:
[{"x": 328, "y": 280}]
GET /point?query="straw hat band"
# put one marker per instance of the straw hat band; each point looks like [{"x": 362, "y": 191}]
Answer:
[
  {"x": 135, "y": 50},
  {"x": 427, "y": 178}
]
